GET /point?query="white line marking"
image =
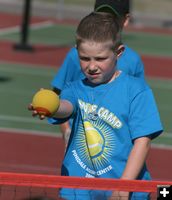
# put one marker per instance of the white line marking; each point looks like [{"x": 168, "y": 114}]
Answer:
[
  {"x": 166, "y": 135},
  {"x": 30, "y": 132},
  {"x": 59, "y": 135},
  {"x": 22, "y": 119},
  {"x": 14, "y": 29},
  {"x": 26, "y": 64},
  {"x": 38, "y": 121},
  {"x": 161, "y": 146},
  {"x": 29, "y": 71}
]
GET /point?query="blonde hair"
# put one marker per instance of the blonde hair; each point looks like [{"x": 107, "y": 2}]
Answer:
[{"x": 99, "y": 27}]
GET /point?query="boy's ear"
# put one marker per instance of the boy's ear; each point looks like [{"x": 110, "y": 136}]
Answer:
[
  {"x": 127, "y": 20},
  {"x": 120, "y": 50}
]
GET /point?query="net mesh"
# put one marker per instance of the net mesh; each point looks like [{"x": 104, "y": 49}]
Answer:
[{"x": 19, "y": 186}]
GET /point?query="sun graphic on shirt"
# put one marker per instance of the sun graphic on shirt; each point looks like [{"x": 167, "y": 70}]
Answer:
[{"x": 96, "y": 143}]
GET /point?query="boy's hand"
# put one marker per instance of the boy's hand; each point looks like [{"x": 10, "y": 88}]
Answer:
[
  {"x": 119, "y": 195},
  {"x": 35, "y": 113}
]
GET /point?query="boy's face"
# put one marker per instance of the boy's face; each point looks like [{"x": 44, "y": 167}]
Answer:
[{"x": 97, "y": 61}]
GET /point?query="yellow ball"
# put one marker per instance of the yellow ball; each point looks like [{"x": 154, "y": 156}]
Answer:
[{"x": 45, "y": 102}]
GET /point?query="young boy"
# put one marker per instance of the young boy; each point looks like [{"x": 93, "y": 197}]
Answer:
[
  {"x": 114, "y": 114},
  {"x": 129, "y": 61}
]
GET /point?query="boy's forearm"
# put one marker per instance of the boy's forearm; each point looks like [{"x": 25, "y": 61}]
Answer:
[
  {"x": 136, "y": 158},
  {"x": 65, "y": 109}
]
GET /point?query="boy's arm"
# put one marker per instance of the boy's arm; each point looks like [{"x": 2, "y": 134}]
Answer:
[
  {"x": 65, "y": 109},
  {"x": 134, "y": 164},
  {"x": 136, "y": 158}
]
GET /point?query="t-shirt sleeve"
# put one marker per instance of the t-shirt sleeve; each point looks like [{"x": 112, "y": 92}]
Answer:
[
  {"x": 144, "y": 119},
  {"x": 139, "y": 72},
  {"x": 69, "y": 94}
]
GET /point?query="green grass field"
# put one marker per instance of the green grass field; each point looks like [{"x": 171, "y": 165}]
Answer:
[{"x": 20, "y": 82}]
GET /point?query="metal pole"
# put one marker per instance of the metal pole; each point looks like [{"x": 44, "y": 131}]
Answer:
[{"x": 23, "y": 45}]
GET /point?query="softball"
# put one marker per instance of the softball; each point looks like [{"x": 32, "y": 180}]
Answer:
[{"x": 45, "y": 102}]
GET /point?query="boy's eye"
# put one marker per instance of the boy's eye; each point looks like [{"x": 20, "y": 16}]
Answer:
[
  {"x": 84, "y": 58},
  {"x": 101, "y": 59}
]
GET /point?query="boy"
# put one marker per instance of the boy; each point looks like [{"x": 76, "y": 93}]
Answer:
[
  {"x": 114, "y": 114},
  {"x": 129, "y": 62}
]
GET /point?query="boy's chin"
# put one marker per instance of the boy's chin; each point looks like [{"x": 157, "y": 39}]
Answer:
[
  {"x": 98, "y": 81},
  {"x": 95, "y": 81}
]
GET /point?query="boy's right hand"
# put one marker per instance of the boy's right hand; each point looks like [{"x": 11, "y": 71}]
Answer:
[{"x": 35, "y": 113}]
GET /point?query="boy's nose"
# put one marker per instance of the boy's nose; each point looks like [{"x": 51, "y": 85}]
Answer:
[{"x": 92, "y": 66}]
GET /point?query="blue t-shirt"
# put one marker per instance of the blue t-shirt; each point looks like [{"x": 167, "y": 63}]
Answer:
[
  {"x": 129, "y": 62},
  {"x": 107, "y": 120}
]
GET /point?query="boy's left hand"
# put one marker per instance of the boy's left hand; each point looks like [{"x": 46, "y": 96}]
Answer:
[{"x": 119, "y": 195}]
